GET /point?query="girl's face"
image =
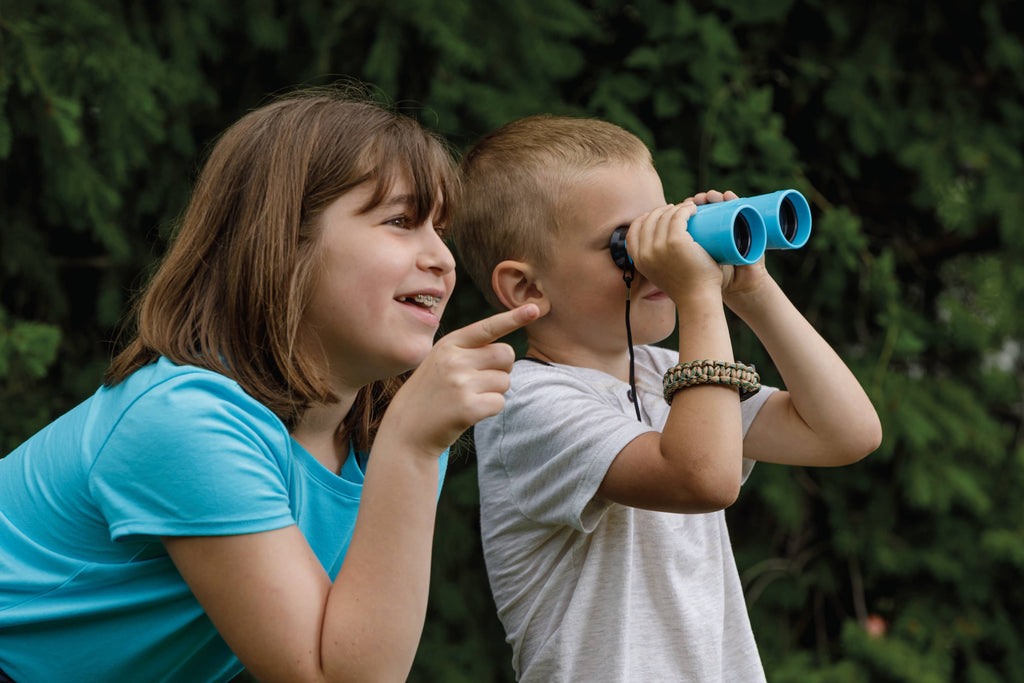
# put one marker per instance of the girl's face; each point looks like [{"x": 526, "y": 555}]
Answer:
[{"x": 383, "y": 285}]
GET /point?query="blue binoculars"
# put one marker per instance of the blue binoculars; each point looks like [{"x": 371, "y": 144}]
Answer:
[{"x": 737, "y": 232}]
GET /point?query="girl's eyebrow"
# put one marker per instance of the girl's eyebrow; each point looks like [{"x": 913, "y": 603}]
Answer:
[{"x": 397, "y": 200}]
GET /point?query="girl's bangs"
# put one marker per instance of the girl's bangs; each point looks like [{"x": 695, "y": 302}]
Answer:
[{"x": 423, "y": 162}]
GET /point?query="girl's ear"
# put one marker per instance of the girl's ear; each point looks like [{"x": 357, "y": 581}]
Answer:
[{"x": 515, "y": 283}]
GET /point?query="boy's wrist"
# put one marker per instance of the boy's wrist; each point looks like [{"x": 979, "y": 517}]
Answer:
[
  {"x": 753, "y": 302},
  {"x": 697, "y": 298}
]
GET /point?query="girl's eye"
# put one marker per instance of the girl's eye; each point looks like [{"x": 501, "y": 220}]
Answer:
[
  {"x": 441, "y": 230},
  {"x": 400, "y": 222}
]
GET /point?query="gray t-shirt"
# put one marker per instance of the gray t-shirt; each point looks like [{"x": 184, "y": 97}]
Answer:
[{"x": 587, "y": 589}]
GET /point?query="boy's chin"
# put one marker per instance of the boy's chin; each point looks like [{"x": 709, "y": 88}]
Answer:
[{"x": 653, "y": 336}]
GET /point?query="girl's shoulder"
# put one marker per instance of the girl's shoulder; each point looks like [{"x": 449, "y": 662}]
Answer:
[
  {"x": 165, "y": 393},
  {"x": 186, "y": 383}
]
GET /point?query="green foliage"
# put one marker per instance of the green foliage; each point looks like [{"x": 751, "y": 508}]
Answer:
[
  {"x": 27, "y": 350},
  {"x": 902, "y": 124}
]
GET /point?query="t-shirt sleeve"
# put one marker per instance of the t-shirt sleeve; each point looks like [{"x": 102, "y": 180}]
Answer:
[
  {"x": 748, "y": 411},
  {"x": 555, "y": 441},
  {"x": 193, "y": 455}
]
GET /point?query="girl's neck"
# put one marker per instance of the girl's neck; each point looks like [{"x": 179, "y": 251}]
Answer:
[{"x": 319, "y": 432}]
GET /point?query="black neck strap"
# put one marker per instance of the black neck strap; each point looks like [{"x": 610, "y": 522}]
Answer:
[{"x": 627, "y": 275}]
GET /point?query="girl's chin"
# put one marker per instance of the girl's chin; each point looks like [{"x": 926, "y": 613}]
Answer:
[{"x": 411, "y": 359}]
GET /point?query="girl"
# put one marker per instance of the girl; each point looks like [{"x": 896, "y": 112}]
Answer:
[{"x": 197, "y": 514}]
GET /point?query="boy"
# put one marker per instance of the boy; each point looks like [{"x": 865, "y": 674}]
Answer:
[{"x": 604, "y": 536}]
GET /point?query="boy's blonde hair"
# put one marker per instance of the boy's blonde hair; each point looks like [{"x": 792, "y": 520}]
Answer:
[{"x": 514, "y": 185}]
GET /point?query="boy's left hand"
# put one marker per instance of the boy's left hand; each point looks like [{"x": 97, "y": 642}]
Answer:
[{"x": 736, "y": 280}]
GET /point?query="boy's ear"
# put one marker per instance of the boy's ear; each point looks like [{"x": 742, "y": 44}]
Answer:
[{"x": 515, "y": 283}]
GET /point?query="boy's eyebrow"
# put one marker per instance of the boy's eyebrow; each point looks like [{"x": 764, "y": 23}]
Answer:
[{"x": 610, "y": 226}]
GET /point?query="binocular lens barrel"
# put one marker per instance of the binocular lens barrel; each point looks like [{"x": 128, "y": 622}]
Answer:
[
  {"x": 731, "y": 232},
  {"x": 787, "y": 218},
  {"x": 738, "y": 232}
]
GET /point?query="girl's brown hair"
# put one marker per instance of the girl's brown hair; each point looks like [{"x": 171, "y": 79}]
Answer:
[{"x": 231, "y": 293}]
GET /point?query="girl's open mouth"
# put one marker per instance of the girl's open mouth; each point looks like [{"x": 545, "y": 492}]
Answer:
[{"x": 424, "y": 300}]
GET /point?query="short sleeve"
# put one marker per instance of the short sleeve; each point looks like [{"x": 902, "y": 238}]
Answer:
[
  {"x": 193, "y": 455},
  {"x": 554, "y": 442},
  {"x": 748, "y": 411}
]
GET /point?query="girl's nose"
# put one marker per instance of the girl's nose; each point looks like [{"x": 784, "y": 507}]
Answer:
[{"x": 436, "y": 255}]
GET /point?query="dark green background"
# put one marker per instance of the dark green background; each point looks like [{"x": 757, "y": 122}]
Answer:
[{"x": 903, "y": 123}]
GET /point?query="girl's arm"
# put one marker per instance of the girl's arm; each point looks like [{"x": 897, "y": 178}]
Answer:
[
  {"x": 275, "y": 606},
  {"x": 267, "y": 593}
]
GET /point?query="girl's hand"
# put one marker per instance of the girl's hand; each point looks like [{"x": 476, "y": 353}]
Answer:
[
  {"x": 461, "y": 381},
  {"x": 736, "y": 280}
]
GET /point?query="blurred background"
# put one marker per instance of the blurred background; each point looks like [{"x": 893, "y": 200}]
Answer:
[{"x": 902, "y": 123}]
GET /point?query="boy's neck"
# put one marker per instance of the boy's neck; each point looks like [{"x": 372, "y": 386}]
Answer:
[{"x": 614, "y": 363}]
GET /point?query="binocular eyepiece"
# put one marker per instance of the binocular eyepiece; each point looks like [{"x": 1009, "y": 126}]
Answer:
[{"x": 737, "y": 232}]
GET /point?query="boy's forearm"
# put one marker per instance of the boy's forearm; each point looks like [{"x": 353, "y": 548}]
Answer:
[
  {"x": 703, "y": 329},
  {"x": 823, "y": 391},
  {"x": 694, "y": 465},
  {"x": 704, "y": 425}
]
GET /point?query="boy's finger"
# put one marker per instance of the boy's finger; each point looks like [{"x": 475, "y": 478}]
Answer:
[{"x": 490, "y": 329}]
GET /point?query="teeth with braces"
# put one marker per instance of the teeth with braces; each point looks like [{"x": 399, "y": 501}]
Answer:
[{"x": 424, "y": 299}]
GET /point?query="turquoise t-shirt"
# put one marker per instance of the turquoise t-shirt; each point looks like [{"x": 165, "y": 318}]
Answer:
[{"x": 87, "y": 591}]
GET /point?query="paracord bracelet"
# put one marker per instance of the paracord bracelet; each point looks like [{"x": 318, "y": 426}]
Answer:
[{"x": 696, "y": 372}]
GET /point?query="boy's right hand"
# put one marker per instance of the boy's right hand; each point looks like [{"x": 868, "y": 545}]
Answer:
[
  {"x": 461, "y": 381},
  {"x": 667, "y": 255}
]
